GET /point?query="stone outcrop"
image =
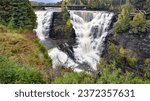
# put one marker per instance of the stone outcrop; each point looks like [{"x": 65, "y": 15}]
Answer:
[{"x": 58, "y": 29}]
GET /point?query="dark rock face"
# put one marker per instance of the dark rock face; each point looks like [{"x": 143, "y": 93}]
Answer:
[
  {"x": 58, "y": 26},
  {"x": 67, "y": 49},
  {"x": 58, "y": 29},
  {"x": 64, "y": 40},
  {"x": 139, "y": 43}
]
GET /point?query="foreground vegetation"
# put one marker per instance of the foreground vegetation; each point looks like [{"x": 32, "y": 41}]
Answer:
[
  {"x": 11, "y": 73},
  {"x": 23, "y": 59}
]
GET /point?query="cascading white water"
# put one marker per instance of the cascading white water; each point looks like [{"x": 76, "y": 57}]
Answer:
[
  {"x": 91, "y": 28},
  {"x": 44, "y": 19}
]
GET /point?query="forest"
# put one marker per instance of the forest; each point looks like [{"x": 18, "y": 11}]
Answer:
[{"x": 125, "y": 60}]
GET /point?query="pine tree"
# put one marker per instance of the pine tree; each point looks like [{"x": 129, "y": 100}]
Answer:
[
  {"x": 123, "y": 20},
  {"x": 23, "y": 15},
  {"x": 17, "y": 14},
  {"x": 5, "y": 11}
]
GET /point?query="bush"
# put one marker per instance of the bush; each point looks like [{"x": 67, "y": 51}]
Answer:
[
  {"x": 147, "y": 62},
  {"x": 131, "y": 61},
  {"x": 112, "y": 49},
  {"x": 113, "y": 75},
  {"x": 139, "y": 23},
  {"x": 74, "y": 78},
  {"x": 122, "y": 52},
  {"x": 11, "y": 73}
]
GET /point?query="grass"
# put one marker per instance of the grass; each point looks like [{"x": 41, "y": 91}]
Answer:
[
  {"x": 26, "y": 60},
  {"x": 22, "y": 48}
]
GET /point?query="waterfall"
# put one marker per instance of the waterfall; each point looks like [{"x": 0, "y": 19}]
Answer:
[
  {"x": 91, "y": 29},
  {"x": 44, "y": 20}
]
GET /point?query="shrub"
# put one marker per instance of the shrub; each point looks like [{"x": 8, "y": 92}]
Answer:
[
  {"x": 147, "y": 74},
  {"x": 139, "y": 23},
  {"x": 131, "y": 61},
  {"x": 74, "y": 78},
  {"x": 112, "y": 49},
  {"x": 11, "y": 73},
  {"x": 113, "y": 75},
  {"x": 68, "y": 24},
  {"x": 102, "y": 64},
  {"x": 147, "y": 62},
  {"x": 122, "y": 52}
]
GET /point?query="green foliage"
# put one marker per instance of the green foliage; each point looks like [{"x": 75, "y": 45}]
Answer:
[
  {"x": 65, "y": 14},
  {"x": 141, "y": 4},
  {"x": 74, "y": 78},
  {"x": 5, "y": 11},
  {"x": 112, "y": 49},
  {"x": 139, "y": 23},
  {"x": 100, "y": 4},
  {"x": 113, "y": 75},
  {"x": 68, "y": 24},
  {"x": 147, "y": 62},
  {"x": 123, "y": 20},
  {"x": 44, "y": 51},
  {"x": 122, "y": 52},
  {"x": 75, "y": 2},
  {"x": 11, "y": 73},
  {"x": 147, "y": 74},
  {"x": 131, "y": 61},
  {"x": 17, "y": 14},
  {"x": 68, "y": 28}
]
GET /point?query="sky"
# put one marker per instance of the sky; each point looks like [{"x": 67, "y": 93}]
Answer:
[{"x": 47, "y": 1}]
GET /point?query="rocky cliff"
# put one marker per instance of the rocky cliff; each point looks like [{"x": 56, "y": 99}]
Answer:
[{"x": 59, "y": 30}]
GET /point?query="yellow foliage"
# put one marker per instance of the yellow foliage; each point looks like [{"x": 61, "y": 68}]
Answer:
[
  {"x": 122, "y": 52},
  {"x": 147, "y": 62},
  {"x": 139, "y": 23},
  {"x": 68, "y": 24}
]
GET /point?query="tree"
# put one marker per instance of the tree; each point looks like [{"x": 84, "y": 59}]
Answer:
[
  {"x": 99, "y": 4},
  {"x": 17, "y": 13},
  {"x": 5, "y": 11},
  {"x": 139, "y": 23},
  {"x": 23, "y": 15},
  {"x": 138, "y": 3},
  {"x": 123, "y": 20}
]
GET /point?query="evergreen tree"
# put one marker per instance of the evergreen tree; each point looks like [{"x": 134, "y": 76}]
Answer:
[
  {"x": 23, "y": 15},
  {"x": 123, "y": 20},
  {"x": 17, "y": 14},
  {"x": 5, "y": 11}
]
